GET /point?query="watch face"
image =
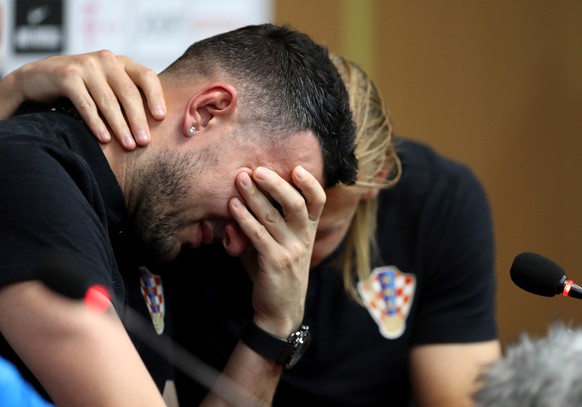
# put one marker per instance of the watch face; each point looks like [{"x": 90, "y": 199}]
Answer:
[{"x": 299, "y": 341}]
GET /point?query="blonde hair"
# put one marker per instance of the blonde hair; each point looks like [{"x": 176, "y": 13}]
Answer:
[{"x": 378, "y": 167}]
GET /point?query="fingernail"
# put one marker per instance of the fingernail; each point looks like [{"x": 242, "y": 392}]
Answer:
[
  {"x": 261, "y": 173},
  {"x": 104, "y": 136},
  {"x": 143, "y": 136},
  {"x": 236, "y": 202},
  {"x": 300, "y": 172},
  {"x": 160, "y": 112},
  {"x": 245, "y": 179},
  {"x": 128, "y": 140}
]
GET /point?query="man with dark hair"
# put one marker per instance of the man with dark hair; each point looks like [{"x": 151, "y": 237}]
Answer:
[{"x": 258, "y": 121}]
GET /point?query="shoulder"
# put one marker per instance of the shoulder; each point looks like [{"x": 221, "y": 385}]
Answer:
[
  {"x": 429, "y": 175},
  {"x": 421, "y": 161},
  {"x": 46, "y": 130},
  {"x": 437, "y": 196}
]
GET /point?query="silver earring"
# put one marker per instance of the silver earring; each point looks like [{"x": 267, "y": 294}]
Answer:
[{"x": 192, "y": 130}]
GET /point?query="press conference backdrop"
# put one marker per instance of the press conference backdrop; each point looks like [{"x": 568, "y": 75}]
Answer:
[
  {"x": 496, "y": 84},
  {"x": 153, "y": 32}
]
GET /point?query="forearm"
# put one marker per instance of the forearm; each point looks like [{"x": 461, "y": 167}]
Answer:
[
  {"x": 80, "y": 357},
  {"x": 248, "y": 379},
  {"x": 462, "y": 362}
]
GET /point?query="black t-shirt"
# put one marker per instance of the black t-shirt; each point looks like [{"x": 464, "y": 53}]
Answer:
[
  {"x": 58, "y": 195},
  {"x": 437, "y": 266}
]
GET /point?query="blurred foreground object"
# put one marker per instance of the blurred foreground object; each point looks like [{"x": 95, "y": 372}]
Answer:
[
  {"x": 540, "y": 372},
  {"x": 15, "y": 391}
]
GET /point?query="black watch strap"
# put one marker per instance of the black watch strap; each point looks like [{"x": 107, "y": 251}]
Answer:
[{"x": 286, "y": 352}]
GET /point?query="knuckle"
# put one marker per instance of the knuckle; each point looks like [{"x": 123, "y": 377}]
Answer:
[
  {"x": 105, "y": 54},
  {"x": 260, "y": 233},
  {"x": 272, "y": 216},
  {"x": 297, "y": 250},
  {"x": 148, "y": 74},
  {"x": 293, "y": 254},
  {"x": 67, "y": 70},
  {"x": 298, "y": 205},
  {"x": 85, "y": 105},
  {"x": 130, "y": 90},
  {"x": 321, "y": 199},
  {"x": 285, "y": 263},
  {"x": 107, "y": 99}
]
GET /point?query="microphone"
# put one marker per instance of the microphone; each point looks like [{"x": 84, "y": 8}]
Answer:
[
  {"x": 64, "y": 277},
  {"x": 539, "y": 275}
]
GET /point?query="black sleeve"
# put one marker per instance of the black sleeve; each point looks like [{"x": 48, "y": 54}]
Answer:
[{"x": 48, "y": 206}]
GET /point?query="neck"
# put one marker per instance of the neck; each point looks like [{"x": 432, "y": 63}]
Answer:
[{"x": 122, "y": 163}]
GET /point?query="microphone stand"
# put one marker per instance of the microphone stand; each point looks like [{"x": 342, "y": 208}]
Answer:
[{"x": 195, "y": 368}]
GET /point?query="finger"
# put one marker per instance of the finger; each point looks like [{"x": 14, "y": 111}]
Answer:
[
  {"x": 108, "y": 105},
  {"x": 259, "y": 219},
  {"x": 88, "y": 111},
  {"x": 279, "y": 207},
  {"x": 118, "y": 99},
  {"x": 276, "y": 204},
  {"x": 94, "y": 82},
  {"x": 127, "y": 85},
  {"x": 311, "y": 190},
  {"x": 149, "y": 82},
  {"x": 76, "y": 90},
  {"x": 289, "y": 198},
  {"x": 256, "y": 233},
  {"x": 102, "y": 99}
]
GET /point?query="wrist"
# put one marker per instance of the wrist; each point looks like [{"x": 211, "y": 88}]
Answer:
[
  {"x": 285, "y": 351},
  {"x": 278, "y": 327},
  {"x": 11, "y": 95}
]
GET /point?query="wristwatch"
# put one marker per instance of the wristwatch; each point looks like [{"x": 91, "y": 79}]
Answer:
[{"x": 286, "y": 352}]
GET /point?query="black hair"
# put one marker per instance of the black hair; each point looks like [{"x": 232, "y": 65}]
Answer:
[{"x": 289, "y": 84}]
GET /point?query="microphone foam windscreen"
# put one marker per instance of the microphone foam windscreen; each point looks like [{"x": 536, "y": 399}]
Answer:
[{"x": 537, "y": 274}]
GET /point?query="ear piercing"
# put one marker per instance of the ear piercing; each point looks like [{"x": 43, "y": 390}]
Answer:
[{"x": 192, "y": 130}]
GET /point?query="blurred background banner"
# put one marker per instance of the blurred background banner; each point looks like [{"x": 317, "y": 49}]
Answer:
[
  {"x": 37, "y": 27},
  {"x": 153, "y": 32}
]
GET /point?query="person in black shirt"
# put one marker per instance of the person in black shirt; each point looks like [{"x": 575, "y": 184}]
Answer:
[
  {"x": 401, "y": 294},
  {"x": 258, "y": 122}
]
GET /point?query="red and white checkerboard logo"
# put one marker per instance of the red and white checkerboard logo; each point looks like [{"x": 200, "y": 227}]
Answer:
[
  {"x": 388, "y": 294},
  {"x": 152, "y": 291}
]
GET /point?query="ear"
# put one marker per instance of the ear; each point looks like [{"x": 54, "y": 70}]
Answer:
[{"x": 213, "y": 101}]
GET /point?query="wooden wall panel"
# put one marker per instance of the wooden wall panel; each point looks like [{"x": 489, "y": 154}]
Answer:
[{"x": 497, "y": 85}]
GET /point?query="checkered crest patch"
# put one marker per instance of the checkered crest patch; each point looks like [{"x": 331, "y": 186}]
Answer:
[
  {"x": 152, "y": 291},
  {"x": 388, "y": 294}
]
